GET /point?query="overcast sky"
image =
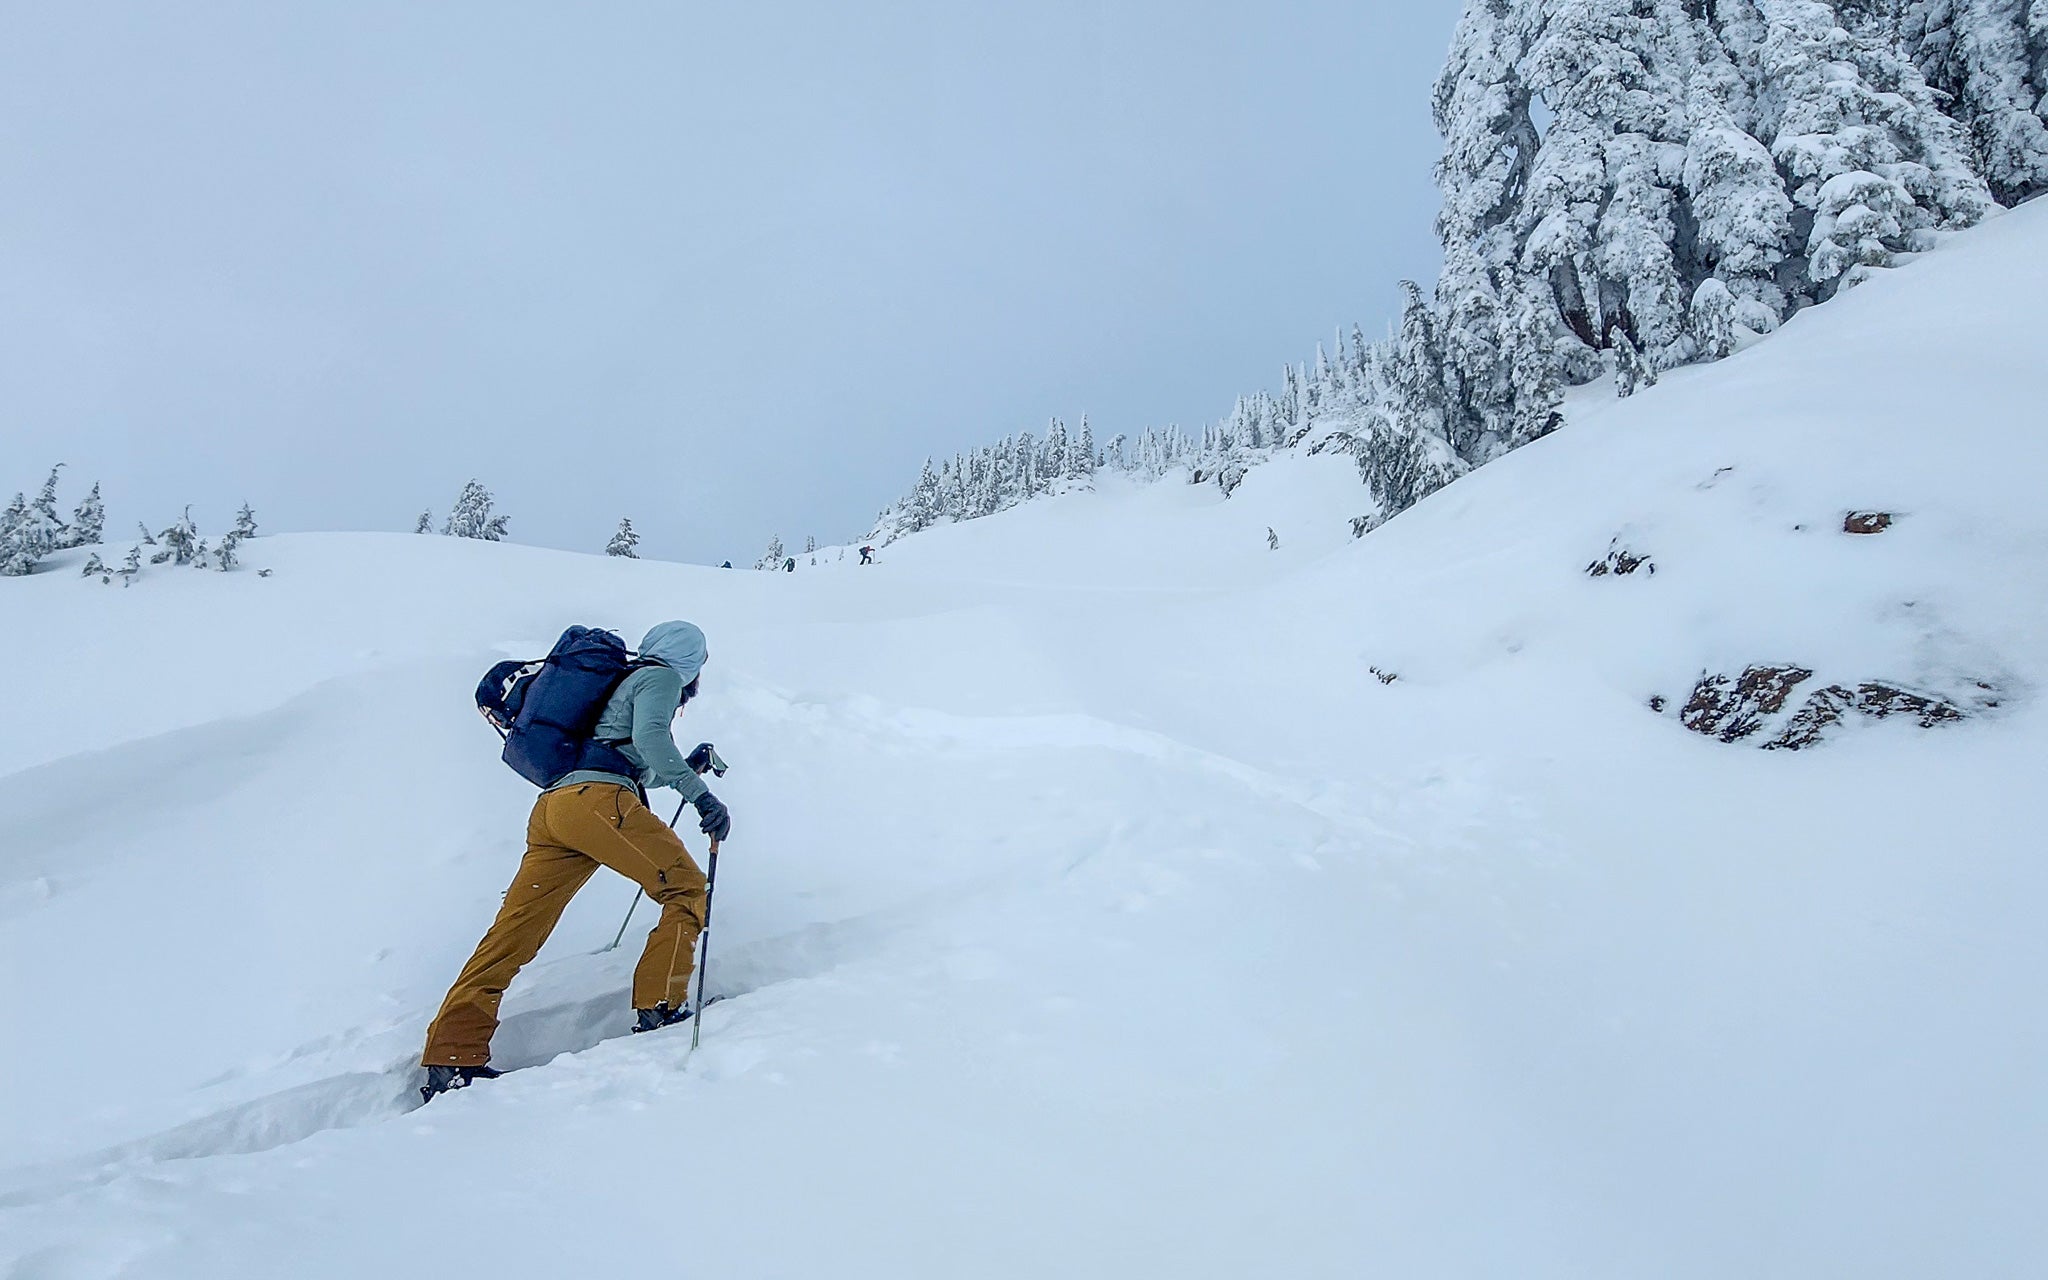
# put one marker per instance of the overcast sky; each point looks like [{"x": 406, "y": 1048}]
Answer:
[{"x": 727, "y": 269}]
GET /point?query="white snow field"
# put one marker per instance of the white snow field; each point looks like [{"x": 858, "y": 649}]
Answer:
[{"x": 1092, "y": 909}]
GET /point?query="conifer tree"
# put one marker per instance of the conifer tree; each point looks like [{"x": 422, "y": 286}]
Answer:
[
  {"x": 180, "y": 544},
  {"x": 1631, "y": 370},
  {"x": 1713, "y": 320},
  {"x": 131, "y": 568},
  {"x": 623, "y": 542},
  {"x": 1742, "y": 214},
  {"x": 97, "y": 568},
  {"x": 425, "y": 524},
  {"x": 245, "y": 522},
  {"x": 20, "y": 547},
  {"x": 88, "y": 521},
  {"x": 1985, "y": 59},
  {"x": 472, "y": 517},
  {"x": 50, "y": 528},
  {"x": 224, "y": 556},
  {"x": 773, "y": 557},
  {"x": 1860, "y": 138}
]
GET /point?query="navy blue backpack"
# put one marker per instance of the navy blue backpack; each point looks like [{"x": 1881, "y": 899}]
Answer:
[{"x": 548, "y": 710}]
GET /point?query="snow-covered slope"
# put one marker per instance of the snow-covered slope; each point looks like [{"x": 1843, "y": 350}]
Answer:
[{"x": 1093, "y": 908}]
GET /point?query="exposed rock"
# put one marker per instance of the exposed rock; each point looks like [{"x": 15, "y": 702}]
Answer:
[
  {"x": 1881, "y": 701},
  {"x": 1867, "y": 522},
  {"x": 1658, "y": 702},
  {"x": 1822, "y": 712},
  {"x": 1384, "y": 677},
  {"x": 1620, "y": 561},
  {"x": 1733, "y": 709}
]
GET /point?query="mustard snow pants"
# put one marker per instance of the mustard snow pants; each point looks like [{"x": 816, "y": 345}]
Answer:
[{"x": 572, "y": 833}]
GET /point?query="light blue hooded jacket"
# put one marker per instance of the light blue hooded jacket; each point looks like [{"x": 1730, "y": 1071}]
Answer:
[{"x": 638, "y": 717}]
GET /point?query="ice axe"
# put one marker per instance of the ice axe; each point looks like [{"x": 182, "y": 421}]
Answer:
[{"x": 705, "y": 759}]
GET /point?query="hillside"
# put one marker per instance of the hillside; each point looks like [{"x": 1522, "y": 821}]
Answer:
[{"x": 1093, "y": 907}]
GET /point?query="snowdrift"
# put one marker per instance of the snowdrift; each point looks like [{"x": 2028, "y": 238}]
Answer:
[{"x": 1096, "y": 905}]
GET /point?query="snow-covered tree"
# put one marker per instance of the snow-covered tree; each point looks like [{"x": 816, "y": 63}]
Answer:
[
  {"x": 97, "y": 568},
  {"x": 1631, "y": 370},
  {"x": 224, "y": 555},
  {"x": 51, "y": 529},
  {"x": 425, "y": 524},
  {"x": 472, "y": 517},
  {"x": 1482, "y": 107},
  {"x": 1861, "y": 139},
  {"x": 88, "y": 521},
  {"x": 1741, "y": 214},
  {"x": 1992, "y": 67},
  {"x": 245, "y": 522},
  {"x": 131, "y": 568},
  {"x": 624, "y": 541},
  {"x": 181, "y": 543},
  {"x": 773, "y": 557},
  {"x": 1713, "y": 320},
  {"x": 21, "y": 547}
]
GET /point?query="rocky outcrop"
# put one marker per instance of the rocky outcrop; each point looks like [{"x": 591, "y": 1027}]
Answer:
[
  {"x": 1735, "y": 708},
  {"x": 1732, "y": 709},
  {"x": 1620, "y": 562},
  {"x": 1867, "y": 522}
]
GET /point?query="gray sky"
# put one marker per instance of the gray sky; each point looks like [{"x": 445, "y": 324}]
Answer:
[{"x": 730, "y": 270}]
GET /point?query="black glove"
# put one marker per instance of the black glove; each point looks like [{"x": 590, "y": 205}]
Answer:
[
  {"x": 717, "y": 823},
  {"x": 705, "y": 759}
]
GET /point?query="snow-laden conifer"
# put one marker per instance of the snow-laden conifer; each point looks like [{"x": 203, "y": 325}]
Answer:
[
  {"x": 88, "y": 521},
  {"x": 624, "y": 541},
  {"x": 20, "y": 546},
  {"x": 425, "y": 524},
  {"x": 773, "y": 557},
  {"x": 180, "y": 544},
  {"x": 1741, "y": 214},
  {"x": 51, "y": 529},
  {"x": 472, "y": 516},
  {"x": 1985, "y": 57},
  {"x": 225, "y": 556},
  {"x": 1861, "y": 139}
]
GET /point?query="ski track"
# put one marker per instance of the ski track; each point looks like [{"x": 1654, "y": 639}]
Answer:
[{"x": 536, "y": 1036}]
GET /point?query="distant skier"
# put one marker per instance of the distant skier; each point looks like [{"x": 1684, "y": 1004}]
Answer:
[
  {"x": 867, "y": 555},
  {"x": 591, "y": 818}
]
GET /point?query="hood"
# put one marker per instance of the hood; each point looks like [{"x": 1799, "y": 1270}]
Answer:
[{"x": 679, "y": 645}]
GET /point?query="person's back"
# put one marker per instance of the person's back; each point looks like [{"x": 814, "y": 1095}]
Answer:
[{"x": 587, "y": 819}]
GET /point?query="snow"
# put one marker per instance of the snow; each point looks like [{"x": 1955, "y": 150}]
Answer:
[{"x": 1091, "y": 908}]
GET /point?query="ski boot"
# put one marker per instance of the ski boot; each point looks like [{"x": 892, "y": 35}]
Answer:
[
  {"x": 658, "y": 1017},
  {"x": 441, "y": 1080}
]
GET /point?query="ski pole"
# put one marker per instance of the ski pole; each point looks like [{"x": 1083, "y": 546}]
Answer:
[
  {"x": 641, "y": 893},
  {"x": 704, "y": 956}
]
